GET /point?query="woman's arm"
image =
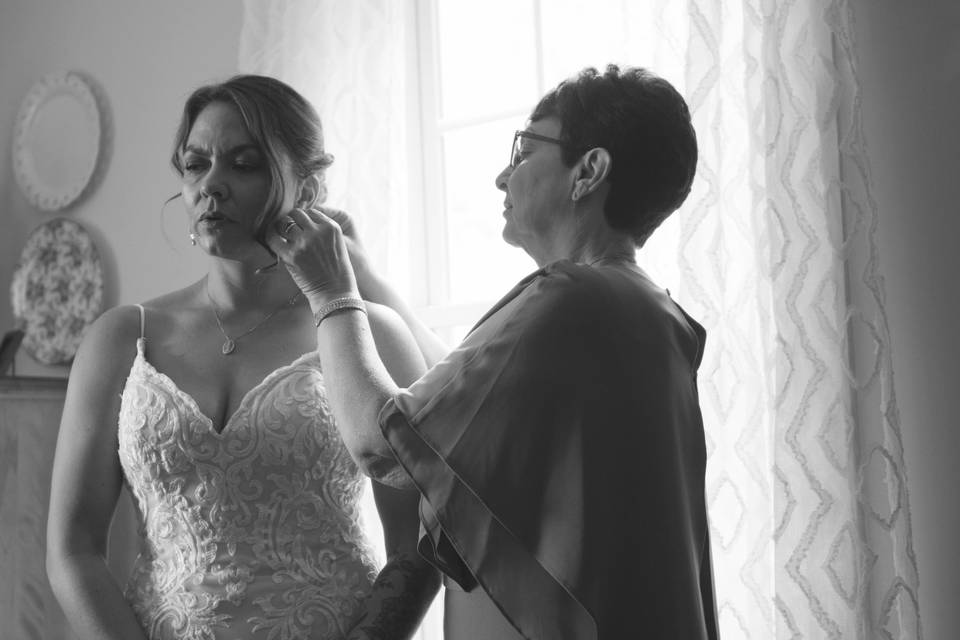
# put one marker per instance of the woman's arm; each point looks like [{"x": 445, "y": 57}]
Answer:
[
  {"x": 86, "y": 483},
  {"x": 407, "y": 584},
  {"x": 395, "y": 361},
  {"x": 357, "y": 383}
]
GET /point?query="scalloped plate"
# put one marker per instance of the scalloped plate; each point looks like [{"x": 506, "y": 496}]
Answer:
[
  {"x": 57, "y": 290},
  {"x": 56, "y": 141}
]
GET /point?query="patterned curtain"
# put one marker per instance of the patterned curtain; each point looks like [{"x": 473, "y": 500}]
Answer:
[{"x": 776, "y": 252}]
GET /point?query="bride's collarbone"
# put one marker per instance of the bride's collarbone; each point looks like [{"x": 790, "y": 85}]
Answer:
[{"x": 196, "y": 364}]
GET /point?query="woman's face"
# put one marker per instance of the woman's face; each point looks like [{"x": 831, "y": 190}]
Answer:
[
  {"x": 226, "y": 184},
  {"x": 537, "y": 207}
]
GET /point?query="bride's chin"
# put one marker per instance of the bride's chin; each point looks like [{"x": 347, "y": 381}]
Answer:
[{"x": 252, "y": 256}]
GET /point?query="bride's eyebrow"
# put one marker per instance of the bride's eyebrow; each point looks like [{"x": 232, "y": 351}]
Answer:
[{"x": 240, "y": 148}]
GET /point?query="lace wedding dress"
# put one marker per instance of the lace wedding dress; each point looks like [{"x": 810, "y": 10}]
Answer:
[{"x": 252, "y": 532}]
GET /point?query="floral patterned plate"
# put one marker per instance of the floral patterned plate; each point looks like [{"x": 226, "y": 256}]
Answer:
[{"x": 57, "y": 290}]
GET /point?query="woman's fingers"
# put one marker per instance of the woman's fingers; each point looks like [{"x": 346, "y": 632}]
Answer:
[
  {"x": 343, "y": 219},
  {"x": 276, "y": 241},
  {"x": 312, "y": 247},
  {"x": 288, "y": 228},
  {"x": 301, "y": 217}
]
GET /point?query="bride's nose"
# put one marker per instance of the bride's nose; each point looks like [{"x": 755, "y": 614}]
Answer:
[{"x": 213, "y": 187}]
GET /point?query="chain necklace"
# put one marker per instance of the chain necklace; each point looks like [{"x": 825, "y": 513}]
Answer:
[{"x": 230, "y": 344}]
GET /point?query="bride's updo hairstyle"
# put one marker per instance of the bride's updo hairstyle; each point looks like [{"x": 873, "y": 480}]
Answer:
[{"x": 281, "y": 122}]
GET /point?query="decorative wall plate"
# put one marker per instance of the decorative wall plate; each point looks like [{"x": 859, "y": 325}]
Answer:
[
  {"x": 56, "y": 141},
  {"x": 57, "y": 290}
]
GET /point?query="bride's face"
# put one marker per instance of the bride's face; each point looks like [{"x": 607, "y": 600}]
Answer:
[{"x": 226, "y": 184}]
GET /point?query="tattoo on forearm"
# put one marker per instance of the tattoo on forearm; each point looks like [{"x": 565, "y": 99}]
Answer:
[{"x": 407, "y": 585}]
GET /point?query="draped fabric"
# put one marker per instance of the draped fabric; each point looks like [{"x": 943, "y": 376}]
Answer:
[
  {"x": 775, "y": 252},
  {"x": 560, "y": 454}
]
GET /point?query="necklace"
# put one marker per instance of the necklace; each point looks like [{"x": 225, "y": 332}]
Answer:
[{"x": 230, "y": 344}]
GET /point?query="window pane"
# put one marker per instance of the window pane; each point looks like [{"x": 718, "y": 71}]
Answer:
[
  {"x": 487, "y": 57},
  {"x": 577, "y": 33},
  {"x": 481, "y": 265}
]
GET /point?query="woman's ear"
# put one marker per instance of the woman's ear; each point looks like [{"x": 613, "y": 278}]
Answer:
[
  {"x": 592, "y": 170},
  {"x": 308, "y": 192}
]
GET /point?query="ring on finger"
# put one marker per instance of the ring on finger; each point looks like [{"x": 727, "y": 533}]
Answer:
[{"x": 291, "y": 224}]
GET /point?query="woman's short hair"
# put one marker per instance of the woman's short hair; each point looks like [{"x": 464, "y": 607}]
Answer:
[
  {"x": 644, "y": 123},
  {"x": 281, "y": 122}
]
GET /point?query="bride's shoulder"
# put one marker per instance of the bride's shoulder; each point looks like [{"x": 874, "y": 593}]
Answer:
[
  {"x": 174, "y": 301},
  {"x": 175, "y": 309}
]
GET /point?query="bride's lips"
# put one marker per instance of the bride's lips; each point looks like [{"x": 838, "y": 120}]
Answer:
[{"x": 212, "y": 217}]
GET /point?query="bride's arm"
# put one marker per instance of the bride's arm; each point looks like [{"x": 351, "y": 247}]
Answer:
[
  {"x": 86, "y": 483},
  {"x": 407, "y": 584}
]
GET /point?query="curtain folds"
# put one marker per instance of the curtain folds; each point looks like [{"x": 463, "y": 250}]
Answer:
[
  {"x": 845, "y": 566},
  {"x": 775, "y": 252}
]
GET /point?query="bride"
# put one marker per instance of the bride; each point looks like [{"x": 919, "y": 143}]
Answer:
[{"x": 208, "y": 403}]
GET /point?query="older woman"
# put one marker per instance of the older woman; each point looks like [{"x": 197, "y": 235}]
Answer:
[{"x": 559, "y": 450}]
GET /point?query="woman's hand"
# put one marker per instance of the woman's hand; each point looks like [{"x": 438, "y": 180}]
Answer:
[
  {"x": 374, "y": 289},
  {"x": 362, "y": 269},
  {"x": 314, "y": 250}
]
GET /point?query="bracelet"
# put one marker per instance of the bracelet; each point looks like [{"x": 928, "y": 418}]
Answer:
[{"x": 336, "y": 305}]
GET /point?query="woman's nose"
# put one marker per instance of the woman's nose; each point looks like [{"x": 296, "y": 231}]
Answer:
[
  {"x": 213, "y": 188},
  {"x": 501, "y": 180}
]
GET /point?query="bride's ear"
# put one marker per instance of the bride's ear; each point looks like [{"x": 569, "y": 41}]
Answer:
[{"x": 308, "y": 191}]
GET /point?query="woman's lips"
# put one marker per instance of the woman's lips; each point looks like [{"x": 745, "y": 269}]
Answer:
[{"x": 212, "y": 218}]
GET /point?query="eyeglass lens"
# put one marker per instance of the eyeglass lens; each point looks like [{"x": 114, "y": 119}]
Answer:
[{"x": 515, "y": 149}]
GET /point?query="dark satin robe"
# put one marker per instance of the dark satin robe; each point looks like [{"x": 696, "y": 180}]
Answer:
[{"x": 560, "y": 455}]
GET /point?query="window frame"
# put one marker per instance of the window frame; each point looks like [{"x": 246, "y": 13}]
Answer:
[{"x": 429, "y": 246}]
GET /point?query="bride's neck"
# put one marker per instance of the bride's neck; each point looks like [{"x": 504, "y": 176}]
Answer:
[{"x": 237, "y": 286}]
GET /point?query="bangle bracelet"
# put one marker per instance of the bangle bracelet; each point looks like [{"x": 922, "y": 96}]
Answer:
[{"x": 336, "y": 305}]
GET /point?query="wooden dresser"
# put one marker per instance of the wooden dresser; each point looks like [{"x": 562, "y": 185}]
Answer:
[{"x": 30, "y": 410}]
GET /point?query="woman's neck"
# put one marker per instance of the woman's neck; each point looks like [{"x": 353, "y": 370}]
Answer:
[
  {"x": 600, "y": 243},
  {"x": 238, "y": 286}
]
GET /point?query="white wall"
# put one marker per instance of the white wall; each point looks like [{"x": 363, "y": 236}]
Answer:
[
  {"x": 146, "y": 57},
  {"x": 911, "y": 74}
]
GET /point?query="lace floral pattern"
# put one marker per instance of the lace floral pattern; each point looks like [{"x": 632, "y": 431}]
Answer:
[{"x": 252, "y": 532}]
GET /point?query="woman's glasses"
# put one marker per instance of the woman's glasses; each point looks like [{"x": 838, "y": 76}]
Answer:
[{"x": 517, "y": 137}]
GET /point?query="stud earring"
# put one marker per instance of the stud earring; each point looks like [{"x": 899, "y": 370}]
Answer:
[{"x": 193, "y": 239}]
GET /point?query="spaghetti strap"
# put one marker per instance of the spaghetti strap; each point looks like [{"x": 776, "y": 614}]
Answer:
[{"x": 140, "y": 306}]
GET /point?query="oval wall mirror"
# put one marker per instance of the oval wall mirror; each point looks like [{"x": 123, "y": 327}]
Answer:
[{"x": 56, "y": 141}]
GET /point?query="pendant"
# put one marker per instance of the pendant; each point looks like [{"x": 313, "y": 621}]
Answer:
[{"x": 228, "y": 347}]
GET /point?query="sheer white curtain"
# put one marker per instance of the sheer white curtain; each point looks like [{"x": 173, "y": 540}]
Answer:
[
  {"x": 350, "y": 59},
  {"x": 776, "y": 252}
]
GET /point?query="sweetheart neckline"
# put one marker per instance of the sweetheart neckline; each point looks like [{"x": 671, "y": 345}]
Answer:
[{"x": 191, "y": 402}]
